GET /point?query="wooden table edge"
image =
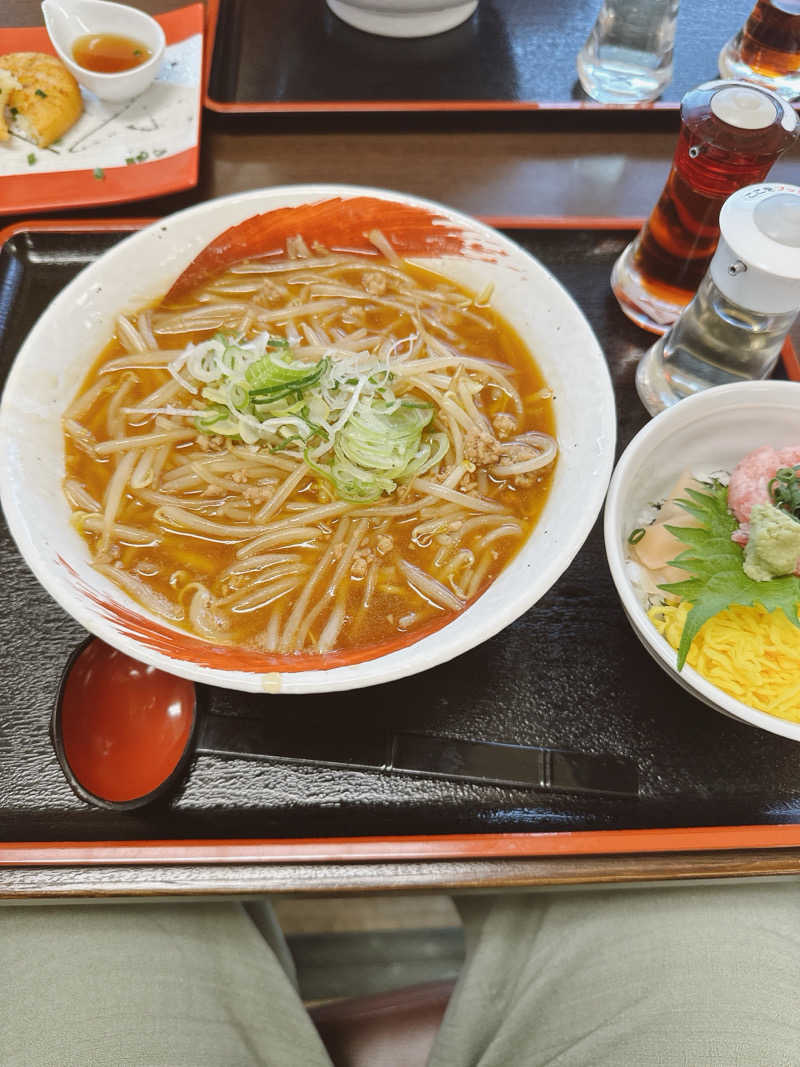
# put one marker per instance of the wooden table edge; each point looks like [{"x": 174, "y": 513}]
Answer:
[{"x": 236, "y": 881}]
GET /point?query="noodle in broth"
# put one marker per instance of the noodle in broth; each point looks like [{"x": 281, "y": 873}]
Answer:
[{"x": 394, "y": 462}]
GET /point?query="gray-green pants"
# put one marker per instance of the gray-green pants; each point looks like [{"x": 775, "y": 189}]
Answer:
[{"x": 700, "y": 977}]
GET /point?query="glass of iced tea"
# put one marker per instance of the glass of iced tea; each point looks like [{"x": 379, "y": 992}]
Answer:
[{"x": 766, "y": 50}]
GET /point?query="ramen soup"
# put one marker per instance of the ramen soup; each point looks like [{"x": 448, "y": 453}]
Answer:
[{"x": 310, "y": 454}]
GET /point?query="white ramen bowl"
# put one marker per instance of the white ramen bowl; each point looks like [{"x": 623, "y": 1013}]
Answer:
[
  {"x": 139, "y": 270},
  {"x": 710, "y": 431}
]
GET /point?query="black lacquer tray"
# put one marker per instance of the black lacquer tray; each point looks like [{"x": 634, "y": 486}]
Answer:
[
  {"x": 568, "y": 675},
  {"x": 269, "y": 55}
]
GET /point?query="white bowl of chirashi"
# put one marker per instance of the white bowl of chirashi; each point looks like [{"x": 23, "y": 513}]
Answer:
[{"x": 702, "y": 531}]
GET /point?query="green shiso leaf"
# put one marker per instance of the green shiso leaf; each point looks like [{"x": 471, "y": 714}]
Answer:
[{"x": 715, "y": 564}]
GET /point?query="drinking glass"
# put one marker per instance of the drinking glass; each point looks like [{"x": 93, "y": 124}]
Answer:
[{"x": 627, "y": 58}]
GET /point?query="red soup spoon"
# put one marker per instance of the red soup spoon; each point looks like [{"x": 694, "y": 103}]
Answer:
[
  {"x": 125, "y": 732},
  {"x": 122, "y": 730}
]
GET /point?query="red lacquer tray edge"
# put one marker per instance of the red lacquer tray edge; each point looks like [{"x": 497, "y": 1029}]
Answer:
[
  {"x": 419, "y": 847},
  {"x": 498, "y": 222}
]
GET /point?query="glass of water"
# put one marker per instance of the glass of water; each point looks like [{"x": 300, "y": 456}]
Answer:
[{"x": 627, "y": 58}]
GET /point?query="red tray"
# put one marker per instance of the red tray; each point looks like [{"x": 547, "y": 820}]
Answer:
[{"x": 54, "y": 189}]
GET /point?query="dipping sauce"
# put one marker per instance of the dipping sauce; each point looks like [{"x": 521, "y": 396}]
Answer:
[{"x": 109, "y": 53}]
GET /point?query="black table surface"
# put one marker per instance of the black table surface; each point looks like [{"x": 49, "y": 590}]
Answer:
[
  {"x": 513, "y": 51},
  {"x": 570, "y": 674}
]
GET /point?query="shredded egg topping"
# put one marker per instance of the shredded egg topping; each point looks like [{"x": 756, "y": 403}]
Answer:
[{"x": 751, "y": 654}]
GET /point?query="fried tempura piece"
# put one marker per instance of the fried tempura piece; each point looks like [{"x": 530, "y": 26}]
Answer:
[
  {"x": 48, "y": 100},
  {"x": 8, "y": 83}
]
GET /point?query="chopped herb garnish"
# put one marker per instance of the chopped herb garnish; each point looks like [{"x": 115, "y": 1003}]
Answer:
[
  {"x": 14, "y": 112},
  {"x": 99, "y": 173},
  {"x": 212, "y": 415},
  {"x": 319, "y": 430},
  {"x": 635, "y": 536},
  {"x": 129, "y": 161},
  {"x": 41, "y": 92},
  {"x": 784, "y": 490},
  {"x": 268, "y": 394},
  {"x": 31, "y": 158},
  {"x": 142, "y": 156},
  {"x": 286, "y": 442},
  {"x": 259, "y": 394},
  {"x": 137, "y": 51}
]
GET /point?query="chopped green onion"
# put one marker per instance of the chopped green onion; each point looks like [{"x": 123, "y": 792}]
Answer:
[
  {"x": 367, "y": 439},
  {"x": 31, "y": 158},
  {"x": 41, "y": 92},
  {"x": 286, "y": 442},
  {"x": 320, "y": 431},
  {"x": 272, "y": 381},
  {"x": 205, "y": 421},
  {"x": 352, "y": 482},
  {"x": 269, "y": 394},
  {"x": 99, "y": 173},
  {"x": 784, "y": 490},
  {"x": 635, "y": 536}
]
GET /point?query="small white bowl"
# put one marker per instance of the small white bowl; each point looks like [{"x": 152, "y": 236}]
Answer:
[
  {"x": 67, "y": 20},
  {"x": 709, "y": 431},
  {"x": 403, "y": 18},
  {"x": 79, "y": 323}
]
